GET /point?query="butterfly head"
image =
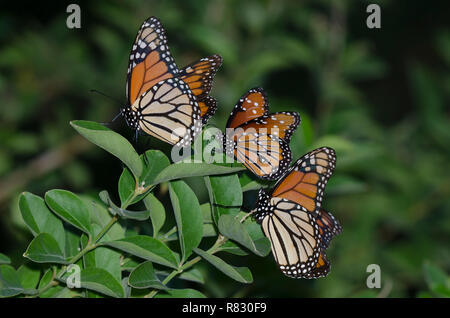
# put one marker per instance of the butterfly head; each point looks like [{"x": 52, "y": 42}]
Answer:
[{"x": 131, "y": 117}]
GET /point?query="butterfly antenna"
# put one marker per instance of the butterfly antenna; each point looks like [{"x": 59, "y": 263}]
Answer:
[
  {"x": 111, "y": 98},
  {"x": 105, "y": 95},
  {"x": 117, "y": 116},
  {"x": 247, "y": 215}
]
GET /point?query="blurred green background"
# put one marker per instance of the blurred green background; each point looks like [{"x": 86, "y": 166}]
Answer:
[{"x": 378, "y": 96}]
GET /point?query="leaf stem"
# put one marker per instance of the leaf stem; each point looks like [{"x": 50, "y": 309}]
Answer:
[
  {"x": 107, "y": 227},
  {"x": 213, "y": 249}
]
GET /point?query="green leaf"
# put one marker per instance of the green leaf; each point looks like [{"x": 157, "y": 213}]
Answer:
[
  {"x": 126, "y": 214},
  {"x": 39, "y": 218},
  {"x": 437, "y": 280},
  {"x": 9, "y": 282},
  {"x": 99, "y": 215},
  {"x": 29, "y": 275},
  {"x": 65, "y": 293},
  {"x": 45, "y": 249},
  {"x": 209, "y": 230},
  {"x": 181, "y": 293},
  {"x": 147, "y": 248},
  {"x": 104, "y": 257},
  {"x": 4, "y": 259},
  {"x": 126, "y": 186},
  {"x": 72, "y": 243},
  {"x": 240, "y": 274},
  {"x": 157, "y": 212},
  {"x": 155, "y": 162},
  {"x": 99, "y": 280},
  {"x": 45, "y": 281},
  {"x": 188, "y": 216},
  {"x": 70, "y": 208},
  {"x": 206, "y": 211},
  {"x": 248, "y": 184},
  {"x": 46, "y": 278},
  {"x": 232, "y": 248},
  {"x": 193, "y": 275},
  {"x": 144, "y": 276},
  {"x": 230, "y": 227},
  {"x": 111, "y": 142},
  {"x": 225, "y": 195},
  {"x": 184, "y": 170},
  {"x": 129, "y": 264}
]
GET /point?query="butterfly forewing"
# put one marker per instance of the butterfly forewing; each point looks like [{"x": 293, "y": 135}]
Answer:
[
  {"x": 251, "y": 105},
  {"x": 150, "y": 60},
  {"x": 306, "y": 180}
]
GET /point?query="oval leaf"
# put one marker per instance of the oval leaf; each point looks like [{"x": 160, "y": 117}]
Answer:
[
  {"x": 155, "y": 162},
  {"x": 240, "y": 274},
  {"x": 157, "y": 212},
  {"x": 230, "y": 227},
  {"x": 188, "y": 216},
  {"x": 126, "y": 214},
  {"x": 126, "y": 186},
  {"x": 101, "y": 281},
  {"x": 144, "y": 276},
  {"x": 44, "y": 249},
  {"x": 185, "y": 170},
  {"x": 147, "y": 248},
  {"x": 111, "y": 142},
  {"x": 29, "y": 275},
  {"x": 70, "y": 208},
  {"x": 4, "y": 259},
  {"x": 39, "y": 218},
  {"x": 225, "y": 194},
  {"x": 9, "y": 282},
  {"x": 181, "y": 293}
]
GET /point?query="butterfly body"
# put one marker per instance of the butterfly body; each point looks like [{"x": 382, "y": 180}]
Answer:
[{"x": 291, "y": 216}]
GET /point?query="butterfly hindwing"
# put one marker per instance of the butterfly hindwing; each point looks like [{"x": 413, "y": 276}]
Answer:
[
  {"x": 169, "y": 112},
  {"x": 200, "y": 75}
]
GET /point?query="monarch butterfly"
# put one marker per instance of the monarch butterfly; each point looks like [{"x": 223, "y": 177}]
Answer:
[
  {"x": 161, "y": 99},
  {"x": 258, "y": 139},
  {"x": 291, "y": 216}
]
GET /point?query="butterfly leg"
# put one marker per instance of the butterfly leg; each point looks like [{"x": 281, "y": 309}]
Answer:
[{"x": 247, "y": 215}]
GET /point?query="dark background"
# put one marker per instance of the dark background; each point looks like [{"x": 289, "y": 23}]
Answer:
[{"x": 378, "y": 96}]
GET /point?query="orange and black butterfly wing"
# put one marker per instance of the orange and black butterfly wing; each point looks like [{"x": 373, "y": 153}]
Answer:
[
  {"x": 150, "y": 60},
  {"x": 199, "y": 77},
  {"x": 251, "y": 105},
  {"x": 329, "y": 227},
  {"x": 292, "y": 218},
  {"x": 307, "y": 178},
  {"x": 208, "y": 107},
  {"x": 262, "y": 144},
  {"x": 321, "y": 269},
  {"x": 258, "y": 140}
]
